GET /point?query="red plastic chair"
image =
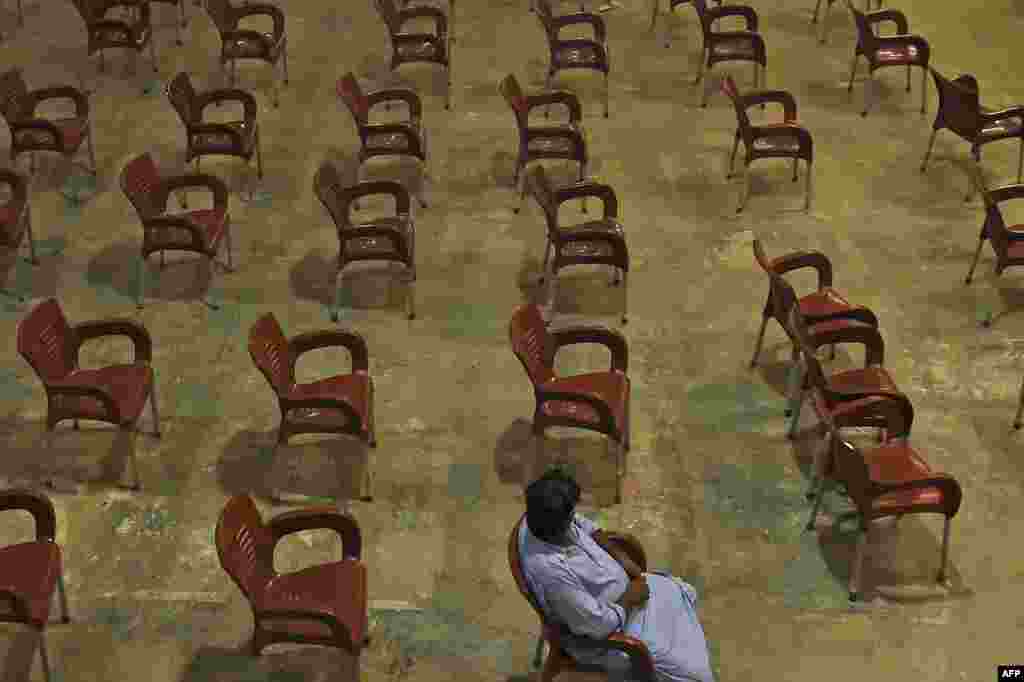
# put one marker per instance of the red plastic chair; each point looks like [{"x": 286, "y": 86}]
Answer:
[
  {"x": 323, "y": 604},
  {"x": 31, "y": 571},
  {"x": 115, "y": 394}
]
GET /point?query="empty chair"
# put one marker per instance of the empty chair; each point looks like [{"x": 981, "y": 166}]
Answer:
[
  {"x": 784, "y": 140},
  {"x": 1007, "y": 242},
  {"x": 576, "y": 53},
  {"x": 961, "y": 113},
  {"x": 200, "y": 231},
  {"x": 901, "y": 49},
  {"x": 109, "y": 32},
  {"x": 16, "y": 218},
  {"x": 595, "y": 242},
  {"x": 31, "y": 571},
  {"x": 323, "y": 604},
  {"x": 729, "y": 46},
  {"x": 595, "y": 401},
  {"x": 240, "y": 43},
  {"x": 339, "y": 404},
  {"x": 391, "y": 238},
  {"x": 115, "y": 394},
  {"x": 411, "y": 48}
]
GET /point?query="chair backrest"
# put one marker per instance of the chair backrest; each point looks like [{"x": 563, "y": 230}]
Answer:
[
  {"x": 701, "y": 7},
  {"x": 959, "y": 104},
  {"x": 539, "y": 187},
  {"x": 865, "y": 36},
  {"x": 742, "y": 120},
  {"x": 547, "y": 18},
  {"x": 183, "y": 98},
  {"x": 86, "y": 9},
  {"x": 271, "y": 354},
  {"x": 139, "y": 179},
  {"x": 349, "y": 91},
  {"x": 14, "y": 102},
  {"x": 328, "y": 189},
  {"x": 389, "y": 13},
  {"x": 513, "y": 94},
  {"x": 529, "y": 337},
  {"x": 762, "y": 258},
  {"x": 46, "y": 341},
  {"x": 19, "y": 187},
  {"x": 814, "y": 373},
  {"x": 222, "y": 14},
  {"x": 850, "y": 469},
  {"x": 244, "y": 546}
]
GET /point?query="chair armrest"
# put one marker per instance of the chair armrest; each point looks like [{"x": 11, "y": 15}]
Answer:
[
  {"x": 142, "y": 342},
  {"x": 893, "y": 15},
  {"x": 440, "y": 20},
  {"x": 631, "y": 545},
  {"x": 596, "y": 22},
  {"x": 639, "y": 654},
  {"x": 1016, "y": 110},
  {"x": 63, "y": 92},
  {"x": 782, "y": 97},
  {"x": 217, "y": 129},
  {"x": 748, "y": 14},
  {"x": 78, "y": 391},
  {"x": 950, "y": 488},
  {"x": 411, "y": 136},
  {"x": 590, "y": 189},
  {"x": 204, "y": 99},
  {"x": 609, "y": 338},
  {"x": 389, "y": 187},
  {"x": 923, "y": 48},
  {"x": 604, "y": 413},
  {"x": 884, "y": 405},
  {"x": 214, "y": 184},
  {"x": 573, "y": 134},
  {"x": 314, "y": 518},
  {"x": 36, "y": 504},
  {"x": 838, "y": 331},
  {"x": 330, "y": 338},
  {"x": 805, "y": 259},
  {"x": 411, "y": 99},
  {"x": 255, "y": 9},
  {"x": 564, "y": 97}
]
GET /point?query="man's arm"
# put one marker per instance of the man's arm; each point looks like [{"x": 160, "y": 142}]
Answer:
[
  {"x": 583, "y": 613},
  {"x": 632, "y": 570}
]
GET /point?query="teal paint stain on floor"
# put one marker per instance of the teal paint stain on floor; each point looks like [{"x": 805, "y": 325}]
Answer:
[
  {"x": 193, "y": 399},
  {"x": 227, "y": 320},
  {"x": 152, "y": 87},
  {"x": 12, "y": 389},
  {"x": 743, "y": 407},
  {"x": 120, "y": 620},
  {"x": 761, "y": 497},
  {"x": 158, "y": 520},
  {"x": 407, "y": 519},
  {"x": 259, "y": 199},
  {"x": 20, "y": 280},
  {"x": 807, "y": 582},
  {"x": 598, "y": 517},
  {"x": 78, "y": 188},
  {"x": 466, "y": 321},
  {"x": 465, "y": 482},
  {"x": 442, "y": 631},
  {"x": 50, "y": 247}
]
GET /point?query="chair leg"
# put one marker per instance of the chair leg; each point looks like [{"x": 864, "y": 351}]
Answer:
[
  {"x": 1020, "y": 407},
  {"x": 182, "y": 14},
  {"x": 924, "y": 88},
  {"x": 136, "y": 481},
  {"x": 732, "y": 157},
  {"x": 858, "y": 563},
  {"x": 704, "y": 91},
  {"x": 538, "y": 656},
  {"x": 625, "y": 296},
  {"x": 155, "y": 411},
  {"x": 928, "y": 151},
  {"x": 853, "y": 73},
  {"x": 152, "y": 54},
  {"x": 795, "y": 162},
  {"x": 941, "y": 578},
  {"x": 32, "y": 258},
  {"x": 606, "y": 94},
  {"x": 181, "y": 22},
  {"x": 700, "y": 66},
  {"x": 908, "y": 77},
  {"x": 92, "y": 151},
  {"x": 1020, "y": 159},
  {"x": 974, "y": 263},
  {"x": 807, "y": 196},
  {"x": 760, "y": 340},
  {"x": 141, "y": 277},
  {"x": 583, "y": 175},
  {"x": 338, "y": 282},
  {"x": 796, "y": 413},
  {"x": 816, "y": 493},
  {"x": 868, "y": 94},
  {"x": 975, "y": 156},
  {"x": 411, "y": 293},
  {"x": 21, "y": 14},
  {"x": 619, "y": 456},
  {"x": 814, "y": 16},
  {"x": 284, "y": 58},
  {"x": 547, "y": 88},
  {"x": 43, "y": 658},
  {"x": 63, "y": 597},
  {"x": 745, "y": 191},
  {"x": 520, "y": 187},
  {"x": 548, "y": 248},
  {"x": 654, "y": 15}
]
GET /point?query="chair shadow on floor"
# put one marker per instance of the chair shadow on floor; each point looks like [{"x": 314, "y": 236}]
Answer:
[
  {"x": 282, "y": 663},
  {"x": 19, "y": 645}
]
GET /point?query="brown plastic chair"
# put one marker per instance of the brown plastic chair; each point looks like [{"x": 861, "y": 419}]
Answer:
[
  {"x": 105, "y": 32},
  {"x": 901, "y": 49},
  {"x": 823, "y": 305},
  {"x": 239, "y": 43},
  {"x": 828, "y": 8},
  {"x": 558, "y": 660},
  {"x": 31, "y": 571},
  {"x": 240, "y": 138},
  {"x": 31, "y": 133},
  {"x": 576, "y": 53},
  {"x": 1007, "y": 242},
  {"x": 200, "y": 231},
  {"x": 389, "y": 238},
  {"x": 672, "y": 4},
  {"x": 595, "y": 401},
  {"x": 559, "y": 141},
  {"x": 784, "y": 140},
  {"x": 423, "y": 48},
  {"x": 961, "y": 113},
  {"x": 16, "y": 219},
  {"x": 595, "y": 242},
  {"x": 340, "y": 404},
  {"x": 729, "y": 46},
  {"x": 892, "y": 479},
  {"x": 115, "y": 394},
  {"x": 323, "y": 604},
  {"x": 404, "y": 138}
]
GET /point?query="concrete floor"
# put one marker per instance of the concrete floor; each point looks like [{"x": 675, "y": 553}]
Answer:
[{"x": 713, "y": 489}]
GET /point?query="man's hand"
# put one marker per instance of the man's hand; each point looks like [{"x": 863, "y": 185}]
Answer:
[
  {"x": 632, "y": 570},
  {"x": 636, "y": 594}
]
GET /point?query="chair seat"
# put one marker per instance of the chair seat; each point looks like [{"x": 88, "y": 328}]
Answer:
[
  {"x": 739, "y": 46},
  {"x": 393, "y": 141},
  {"x": 211, "y": 142},
  {"x": 128, "y": 385},
  {"x": 570, "y": 57},
  {"x": 575, "y": 243},
  {"x": 873, "y": 377},
  {"x": 353, "y": 389},
  {"x": 894, "y": 462},
  {"x": 1010, "y": 126},
  {"x": 380, "y": 245},
  {"x": 612, "y": 388},
  {"x": 823, "y": 303},
  {"x": 31, "y": 569},
  {"x": 212, "y": 221},
  {"x": 788, "y": 143},
  {"x": 559, "y": 144},
  {"x": 901, "y": 54},
  {"x": 338, "y": 588},
  {"x": 426, "y": 49},
  {"x": 249, "y": 48},
  {"x": 72, "y": 132},
  {"x": 111, "y": 34}
]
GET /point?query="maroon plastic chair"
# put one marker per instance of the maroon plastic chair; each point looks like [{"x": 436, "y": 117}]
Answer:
[
  {"x": 31, "y": 133},
  {"x": 1007, "y": 241},
  {"x": 31, "y": 571},
  {"x": 577, "y": 53},
  {"x": 891, "y": 480},
  {"x": 828, "y": 8},
  {"x": 240, "y": 43},
  {"x": 106, "y": 32},
  {"x": 961, "y": 113},
  {"x": 558, "y": 660},
  {"x": 901, "y": 49},
  {"x": 16, "y": 219},
  {"x": 672, "y": 4},
  {"x": 201, "y": 231},
  {"x": 729, "y": 46},
  {"x": 339, "y": 404},
  {"x": 115, "y": 394},
  {"x": 423, "y": 48},
  {"x": 595, "y": 401},
  {"x": 323, "y": 604},
  {"x": 784, "y": 140}
]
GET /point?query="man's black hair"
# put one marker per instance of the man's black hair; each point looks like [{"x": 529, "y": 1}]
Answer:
[{"x": 550, "y": 502}]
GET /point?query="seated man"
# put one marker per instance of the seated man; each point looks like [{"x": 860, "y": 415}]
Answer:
[{"x": 584, "y": 582}]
